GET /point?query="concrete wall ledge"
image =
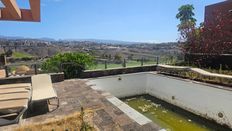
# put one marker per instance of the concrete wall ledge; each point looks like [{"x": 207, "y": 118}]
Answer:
[
  {"x": 196, "y": 74},
  {"x": 117, "y": 71},
  {"x": 56, "y": 77},
  {"x": 197, "y": 70}
]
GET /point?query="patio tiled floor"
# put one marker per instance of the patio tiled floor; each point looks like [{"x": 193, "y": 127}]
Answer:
[{"x": 75, "y": 93}]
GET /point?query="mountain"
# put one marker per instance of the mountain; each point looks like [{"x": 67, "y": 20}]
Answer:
[
  {"x": 11, "y": 37},
  {"x": 24, "y": 38},
  {"x": 46, "y": 39},
  {"x": 100, "y": 41},
  {"x": 103, "y": 41}
]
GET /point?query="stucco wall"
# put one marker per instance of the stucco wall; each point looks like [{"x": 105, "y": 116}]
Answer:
[
  {"x": 121, "y": 86},
  {"x": 200, "y": 99}
]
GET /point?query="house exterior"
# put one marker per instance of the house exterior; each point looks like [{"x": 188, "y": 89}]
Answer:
[
  {"x": 224, "y": 9},
  {"x": 217, "y": 17}
]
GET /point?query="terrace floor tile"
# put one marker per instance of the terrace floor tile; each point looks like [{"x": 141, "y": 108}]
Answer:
[{"x": 73, "y": 95}]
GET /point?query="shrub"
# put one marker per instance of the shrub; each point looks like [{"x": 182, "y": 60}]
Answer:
[{"x": 72, "y": 64}]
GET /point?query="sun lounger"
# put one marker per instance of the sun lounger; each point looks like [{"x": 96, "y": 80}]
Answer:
[
  {"x": 12, "y": 111},
  {"x": 12, "y": 107},
  {"x": 14, "y": 99},
  {"x": 43, "y": 89}
]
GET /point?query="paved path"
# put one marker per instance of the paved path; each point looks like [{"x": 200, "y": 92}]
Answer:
[{"x": 197, "y": 70}]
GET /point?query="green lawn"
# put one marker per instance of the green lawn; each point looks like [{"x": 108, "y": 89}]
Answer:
[
  {"x": 21, "y": 55},
  {"x": 128, "y": 64}
]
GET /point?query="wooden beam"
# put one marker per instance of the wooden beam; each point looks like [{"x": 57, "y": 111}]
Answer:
[
  {"x": 12, "y": 12},
  {"x": 26, "y": 15},
  {"x": 13, "y": 8},
  {"x": 35, "y": 9}
]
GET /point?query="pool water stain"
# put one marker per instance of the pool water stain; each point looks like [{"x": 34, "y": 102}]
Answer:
[{"x": 166, "y": 118}]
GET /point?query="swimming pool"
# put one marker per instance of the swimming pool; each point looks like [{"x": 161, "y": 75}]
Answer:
[{"x": 206, "y": 100}]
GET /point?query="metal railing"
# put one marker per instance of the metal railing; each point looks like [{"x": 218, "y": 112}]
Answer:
[
  {"x": 32, "y": 69},
  {"x": 109, "y": 64},
  {"x": 100, "y": 64}
]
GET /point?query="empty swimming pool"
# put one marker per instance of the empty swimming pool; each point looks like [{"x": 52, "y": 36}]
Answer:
[{"x": 208, "y": 101}]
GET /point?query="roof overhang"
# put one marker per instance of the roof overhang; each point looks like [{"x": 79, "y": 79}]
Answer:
[{"x": 12, "y": 12}]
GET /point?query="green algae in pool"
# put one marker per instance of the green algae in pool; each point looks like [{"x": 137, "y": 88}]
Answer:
[{"x": 166, "y": 118}]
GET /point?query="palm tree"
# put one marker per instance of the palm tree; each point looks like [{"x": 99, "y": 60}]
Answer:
[
  {"x": 186, "y": 27},
  {"x": 187, "y": 21},
  {"x": 186, "y": 17},
  {"x": 186, "y": 14}
]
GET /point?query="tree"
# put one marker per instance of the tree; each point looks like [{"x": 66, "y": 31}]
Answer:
[
  {"x": 194, "y": 41},
  {"x": 72, "y": 64},
  {"x": 187, "y": 23},
  {"x": 9, "y": 53},
  {"x": 110, "y": 56},
  {"x": 130, "y": 56},
  {"x": 118, "y": 58},
  {"x": 187, "y": 20},
  {"x": 212, "y": 37},
  {"x": 186, "y": 14}
]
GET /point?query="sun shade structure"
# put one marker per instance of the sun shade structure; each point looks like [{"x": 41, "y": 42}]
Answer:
[
  {"x": 14, "y": 100},
  {"x": 12, "y": 12}
]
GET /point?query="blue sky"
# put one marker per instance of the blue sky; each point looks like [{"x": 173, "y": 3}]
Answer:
[{"x": 127, "y": 20}]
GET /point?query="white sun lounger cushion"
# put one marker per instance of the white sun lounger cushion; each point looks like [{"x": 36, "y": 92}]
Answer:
[{"x": 42, "y": 88}]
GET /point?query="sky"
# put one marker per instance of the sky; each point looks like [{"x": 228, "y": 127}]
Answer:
[{"x": 124, "y": 20}]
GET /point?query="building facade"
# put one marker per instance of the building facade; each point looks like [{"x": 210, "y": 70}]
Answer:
[
  {"x": 217, "y": 46},
  {"x": 222, "y": 9}
]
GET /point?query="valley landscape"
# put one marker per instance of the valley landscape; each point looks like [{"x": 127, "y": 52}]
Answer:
[{"x": 112, "y": 51}]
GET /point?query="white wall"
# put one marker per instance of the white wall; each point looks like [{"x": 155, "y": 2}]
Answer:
[
  {"x": 197, "y": 98},
  {"x": 129, "y": 85},
  {"x": 200, "y": 99}
]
